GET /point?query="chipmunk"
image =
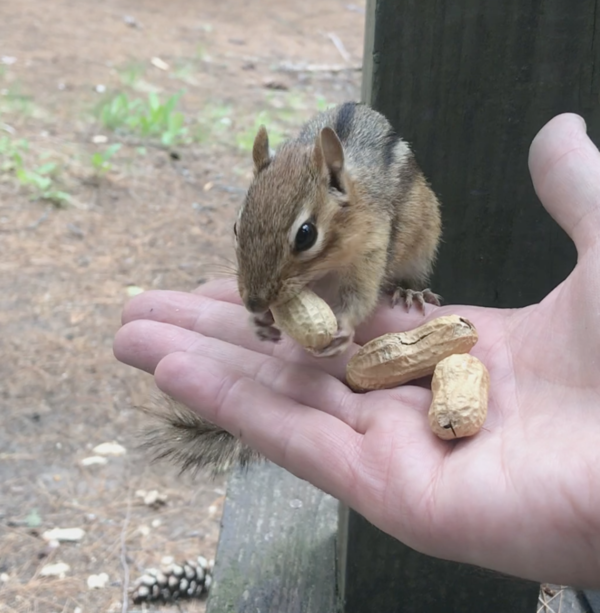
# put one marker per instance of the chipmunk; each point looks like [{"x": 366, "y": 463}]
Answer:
[{"x": 342, "y": 208}]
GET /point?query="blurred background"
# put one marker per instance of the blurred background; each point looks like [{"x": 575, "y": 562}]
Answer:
[{"x": 125, "y": 149}]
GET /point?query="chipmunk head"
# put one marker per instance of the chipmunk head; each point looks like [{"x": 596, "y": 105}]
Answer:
[{"x": 290, "y": 228}]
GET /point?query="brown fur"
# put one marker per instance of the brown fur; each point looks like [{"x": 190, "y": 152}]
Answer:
[
  {"x": 379, "y": 225},
  {"x": 189, "y": 441}
]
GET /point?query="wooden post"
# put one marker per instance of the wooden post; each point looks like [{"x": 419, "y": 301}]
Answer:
[
  {"x": 277, "y": 547},
  {"x": 469, "y": 83}
]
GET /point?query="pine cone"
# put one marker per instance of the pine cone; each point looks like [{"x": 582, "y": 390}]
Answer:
[{"x": 172, "y": 581}]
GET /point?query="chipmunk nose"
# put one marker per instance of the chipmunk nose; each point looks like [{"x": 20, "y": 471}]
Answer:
[{"x": 256, "y": 305}]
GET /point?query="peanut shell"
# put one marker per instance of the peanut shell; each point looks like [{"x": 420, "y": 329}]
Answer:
[
  {"x": 398, "y": 357},
  {"x": 307, "y": 319},
  {"x": 460, "y": 387}
]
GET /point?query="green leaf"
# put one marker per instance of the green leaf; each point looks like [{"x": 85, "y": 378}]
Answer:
[
  {"x": 153, "y": 100},
  {"x": 134, "y": 290},
  {"x": 45, "y": 169},
  {"x": 33, "y": 519},
  {"x": 110, "y": 151}
]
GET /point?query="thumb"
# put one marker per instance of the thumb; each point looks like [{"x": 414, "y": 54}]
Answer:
[{"x": 565, "y": 169}]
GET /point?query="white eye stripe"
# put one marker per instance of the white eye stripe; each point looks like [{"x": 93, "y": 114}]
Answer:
[
  {"x": 304, "y": 215},
  {"x": 300, "y": 219}
]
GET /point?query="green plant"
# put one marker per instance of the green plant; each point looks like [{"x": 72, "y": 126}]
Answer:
[
  {"x": 100, "y": 159},
  {"x": 11, "y": 152},
  {"x": 150, "y": 118},
  {"x": 117, "y": 111},
  {"x": 41, "y": 181},
  {"x": 131, "y": 73}
]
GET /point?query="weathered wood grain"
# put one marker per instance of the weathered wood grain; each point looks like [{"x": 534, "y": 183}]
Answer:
[
  {"x": 277, "y": 548},
  {"x": 469, "y": 83}
]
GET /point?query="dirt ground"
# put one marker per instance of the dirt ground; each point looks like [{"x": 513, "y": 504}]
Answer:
[{"x": 158, "y": 214}]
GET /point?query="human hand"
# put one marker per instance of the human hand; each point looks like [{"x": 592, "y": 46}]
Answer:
[{"x": 522, "y": 497}]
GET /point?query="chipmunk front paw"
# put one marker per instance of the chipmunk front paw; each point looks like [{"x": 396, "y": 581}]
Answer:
[
  {"x": 408, "y": 296},
  {"x": 264, "y": 327},
  {"x": 338, "y": 345}
]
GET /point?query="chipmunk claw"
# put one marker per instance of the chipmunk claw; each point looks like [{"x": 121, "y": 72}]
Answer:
[
  {"x": 338, "y": 345},
  {"x": 264, "y": 327},
  {"x": 408, "y": 296}
]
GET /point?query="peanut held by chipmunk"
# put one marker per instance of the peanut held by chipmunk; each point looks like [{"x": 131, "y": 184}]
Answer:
[{"x": 341, "y": 210}]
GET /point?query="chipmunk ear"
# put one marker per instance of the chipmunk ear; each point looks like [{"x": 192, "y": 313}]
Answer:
[
  {"x": 329, "y": 154},
  {"x": 260, "y": 150}
]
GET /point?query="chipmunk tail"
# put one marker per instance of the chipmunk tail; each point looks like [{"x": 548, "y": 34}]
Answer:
[{"x": 191, "y": 443}]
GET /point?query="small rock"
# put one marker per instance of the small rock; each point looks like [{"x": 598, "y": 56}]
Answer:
[
  {"x": 274, "y": 84},
  {"x": 97, "y": 581},
  {"x": 8, "y": 60},
  {"x": 354, "y": 8},
  {"x": 4, "y": 577},
  {"x": 99, "y": 139},
  {"x": 64, "y": 534},
  {"x": 158, "y": 63},
  {"x": 152, "y": 498},
  {"x": 144, "y": 530},
  {"x": 93, "y": 460},
  {"x": 130, "y": 21},
  {"x": 100, "y": 88},
  {"x": 60, "y": 569},
  {"x": 110, "y": 449},
  {"x": 51, "y": 545}
]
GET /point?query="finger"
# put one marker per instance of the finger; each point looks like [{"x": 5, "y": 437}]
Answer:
[
  {"x": 386, "y": 319},
  {"x": 223, "y": 320},
  {"x": 143, "y": 344},
  {"x": 178, "y": 307},
  {"x": 311, "y": 444},
  {"x": 565, "y": 169},
  {"x": 225, "y": 289}
]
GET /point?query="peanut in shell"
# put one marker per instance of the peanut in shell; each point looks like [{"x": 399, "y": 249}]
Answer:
[
  {"x": 398, "y": 357},
  {"x": 307, "y": 319},
  {"x": 460, "y": 387}
]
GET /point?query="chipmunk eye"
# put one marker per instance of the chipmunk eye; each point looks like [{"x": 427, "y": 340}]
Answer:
[{"x": 306, "y": 236}]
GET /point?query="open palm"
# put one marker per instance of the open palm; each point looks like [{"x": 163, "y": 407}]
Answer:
[{"x": 522, "y": 497}]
